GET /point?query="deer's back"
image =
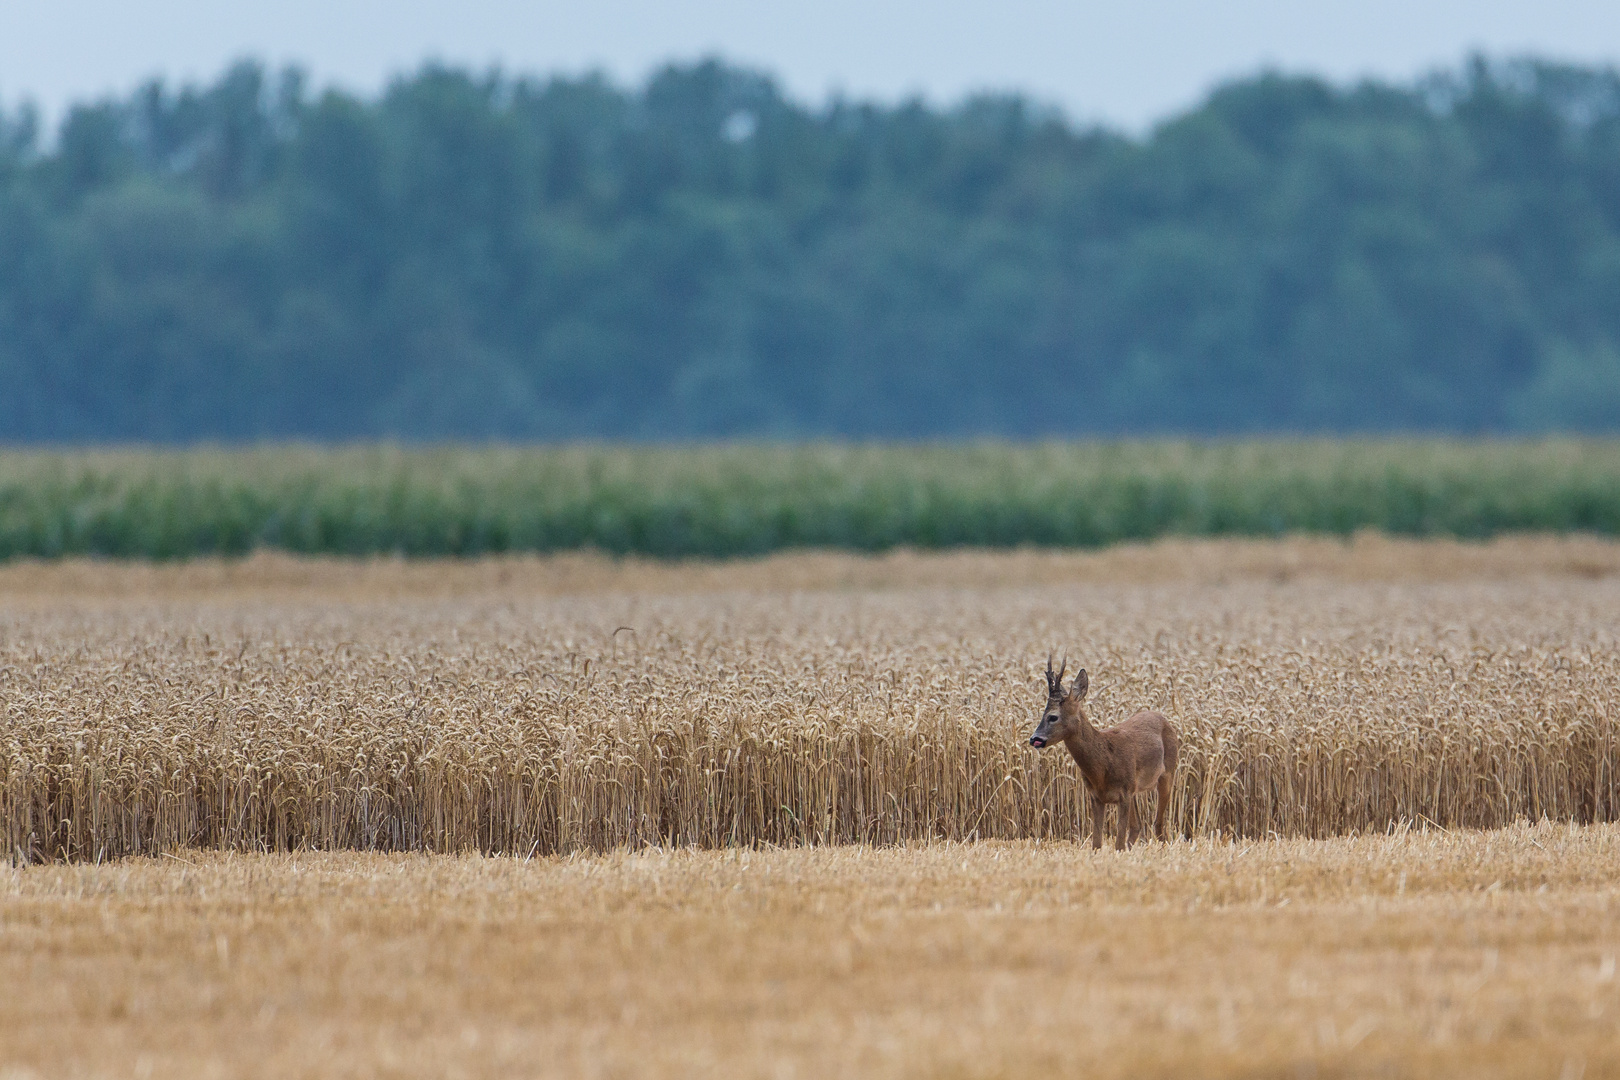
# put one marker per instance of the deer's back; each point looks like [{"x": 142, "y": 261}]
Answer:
[{"x": 1146, "y": 738}]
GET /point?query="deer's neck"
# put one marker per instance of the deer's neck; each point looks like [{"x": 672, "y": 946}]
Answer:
[{"x": 1086, "y": 744}]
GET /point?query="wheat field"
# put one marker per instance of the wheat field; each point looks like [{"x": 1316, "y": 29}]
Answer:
[
  {"x": 584, "y": 817},
  {"x": 534, "y": 707}
]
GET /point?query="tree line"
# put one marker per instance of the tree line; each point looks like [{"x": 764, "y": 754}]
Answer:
[{"x": 474, "y": 255}]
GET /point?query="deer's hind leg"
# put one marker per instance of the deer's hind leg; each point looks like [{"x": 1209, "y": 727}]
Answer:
[
  {"x": 1163, "y": 811},
  {"x": 1135, "y": 832}
]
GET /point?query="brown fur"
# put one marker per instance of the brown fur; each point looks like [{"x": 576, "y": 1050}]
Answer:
[{"x": 1117, "y": 762}]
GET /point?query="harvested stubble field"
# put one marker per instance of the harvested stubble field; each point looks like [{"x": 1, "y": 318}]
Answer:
[
  {"x": 1392, "y": 696},
  {"x": 1478, "y": 954}
]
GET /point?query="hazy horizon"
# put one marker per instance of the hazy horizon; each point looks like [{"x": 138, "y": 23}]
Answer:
[{"x": 1127, "y": 68}]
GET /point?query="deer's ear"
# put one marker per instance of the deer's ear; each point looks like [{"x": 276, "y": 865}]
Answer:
[{"x": 1081, "y": 683}]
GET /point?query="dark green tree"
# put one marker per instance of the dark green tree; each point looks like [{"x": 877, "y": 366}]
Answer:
[{"x": 472, "y": 255}]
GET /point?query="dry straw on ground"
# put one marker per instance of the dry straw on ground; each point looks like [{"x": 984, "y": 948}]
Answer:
[
  {"x": 1319, "y": 689},
  {"x": 1422, "y": 954},
  {"x": 1369, "y": 557}
]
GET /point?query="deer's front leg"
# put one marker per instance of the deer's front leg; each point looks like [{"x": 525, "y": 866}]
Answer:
[
  {"x": 1096, "y": 822},
  {"x": 1123, "y": 841}
]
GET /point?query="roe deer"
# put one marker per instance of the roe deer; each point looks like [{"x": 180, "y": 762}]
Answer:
[{"x": 1115, "y": 762}]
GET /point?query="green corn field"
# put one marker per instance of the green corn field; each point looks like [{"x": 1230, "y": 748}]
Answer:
[{"x": 746, "y": 499}]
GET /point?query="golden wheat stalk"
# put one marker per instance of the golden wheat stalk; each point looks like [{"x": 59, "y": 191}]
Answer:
[{"x": 537, "y": 724}]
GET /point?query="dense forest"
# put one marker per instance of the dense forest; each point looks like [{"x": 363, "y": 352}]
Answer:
[{"x": 482, "y": 256}]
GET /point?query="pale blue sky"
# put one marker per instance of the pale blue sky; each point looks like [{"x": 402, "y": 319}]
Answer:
[{"x": 1128, "y": 63}]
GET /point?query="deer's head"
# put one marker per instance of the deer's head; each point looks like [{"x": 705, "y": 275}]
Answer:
[{"x": 1061, "y": 717}]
